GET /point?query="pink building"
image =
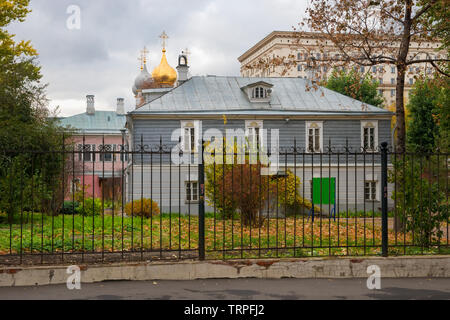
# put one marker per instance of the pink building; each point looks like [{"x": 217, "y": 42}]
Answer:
[{"x": 98, "y": 141}]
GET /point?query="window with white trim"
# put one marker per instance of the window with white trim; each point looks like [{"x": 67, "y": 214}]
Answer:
[
  {"x": 369, "y": 135},
  {"x": 106, "y": 154},
  {"x": 86, "y": 152},
  {"x": 259, "y": 93},
  {"x": 254, "y": 134},
  {"x": 191, "y": 191},
  {"x": 314, "y": 136},
  {"x": 370, "y": 190},
  {"x": 190, "y": 135}
]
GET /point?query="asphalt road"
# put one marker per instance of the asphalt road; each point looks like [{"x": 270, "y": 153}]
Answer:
[{"x": 237, "y": 289}]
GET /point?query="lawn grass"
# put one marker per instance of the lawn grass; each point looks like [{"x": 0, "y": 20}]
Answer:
[{"x": 284, "y": 237}]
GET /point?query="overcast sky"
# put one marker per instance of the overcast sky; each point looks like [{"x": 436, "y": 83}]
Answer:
[{"x": 101, "y": 57}]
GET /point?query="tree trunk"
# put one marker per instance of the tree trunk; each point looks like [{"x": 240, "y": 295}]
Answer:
[
  {"x": 400, "y": 108},
  {"x": 401, "y": 71}
]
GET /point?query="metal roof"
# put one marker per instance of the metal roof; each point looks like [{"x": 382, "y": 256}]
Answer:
[
  {"x": 100, "y": 122},
  {"x": 222, "y": 94}
]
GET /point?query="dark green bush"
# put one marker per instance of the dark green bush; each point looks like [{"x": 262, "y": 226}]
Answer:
[{"x": 70, "y": 207}]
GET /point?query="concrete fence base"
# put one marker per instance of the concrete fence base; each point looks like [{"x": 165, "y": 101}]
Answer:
[{"x": 348, "y": 267}]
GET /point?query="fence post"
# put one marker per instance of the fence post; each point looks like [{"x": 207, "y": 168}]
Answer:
[
  {"x": 384, "y": 195},
  {"x": 201, "y": 204}
]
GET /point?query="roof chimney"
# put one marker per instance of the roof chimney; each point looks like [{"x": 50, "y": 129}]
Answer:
[
  {"x": 120, "y": 106},
  {"x": 90, "y": 109}
]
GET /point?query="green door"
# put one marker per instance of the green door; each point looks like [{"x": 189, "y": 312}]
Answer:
[{"x": 324, "y": 190}]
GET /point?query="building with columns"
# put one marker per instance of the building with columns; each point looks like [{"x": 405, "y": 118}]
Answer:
[{"x": 299, "y": 48}]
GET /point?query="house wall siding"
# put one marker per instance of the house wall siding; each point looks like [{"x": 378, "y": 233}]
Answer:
[{"x": 336, "y": 133}]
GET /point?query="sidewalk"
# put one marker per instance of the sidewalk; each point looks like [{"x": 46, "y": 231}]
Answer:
[{"x": 240, "y": 289}]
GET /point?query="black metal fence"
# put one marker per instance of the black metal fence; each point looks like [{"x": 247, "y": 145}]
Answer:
[{"x": 106, "y": 203}]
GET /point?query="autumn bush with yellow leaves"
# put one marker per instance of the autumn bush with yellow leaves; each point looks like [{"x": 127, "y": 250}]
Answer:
[{"x": 142, "y": 208}]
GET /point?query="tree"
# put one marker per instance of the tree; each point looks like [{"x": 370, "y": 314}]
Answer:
[
  {"x": 391, "y": 108},
  {"x": 439, "y": 18},
  {"x": 355, "y": 85},
  {"x": 420, "y": 202},
  {"x": 442, "y": 112},
  {"x": 423, "y": 130},
  {"x": 25, "y": 125},
  {"x": 373, "y": 32},
  {"x": 237, "y": 187}
]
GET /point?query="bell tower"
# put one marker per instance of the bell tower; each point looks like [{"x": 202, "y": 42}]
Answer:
[{"x": 183, "y": 67}]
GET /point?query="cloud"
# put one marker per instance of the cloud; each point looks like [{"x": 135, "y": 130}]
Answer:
[{"x": 101, "y": 57}]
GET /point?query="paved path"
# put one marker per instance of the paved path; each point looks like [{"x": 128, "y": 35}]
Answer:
[{"x": 246, "y": 289}]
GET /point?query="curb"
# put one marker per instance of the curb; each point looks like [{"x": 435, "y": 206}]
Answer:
[{"x": 342, "y": 267}]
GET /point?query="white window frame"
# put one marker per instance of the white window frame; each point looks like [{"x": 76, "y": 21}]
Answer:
[
  {"x": 257, "y": 91},
  {"x": 370, "y": 124},
  {"x": 372, "y": 179},
  {"x": 189, "y": 184},
  {"x": 191, "y": 124},
  {"x": 314, "y": 125},
  {"x": 250, "y": 128},
  {"x": 103, "y": 154},
  {"x": 89, "y": 152}
]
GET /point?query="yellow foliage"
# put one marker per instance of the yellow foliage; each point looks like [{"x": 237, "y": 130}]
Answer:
[
  {"x": 147, "y": 207},
  {"x": 394, "y": 118}
]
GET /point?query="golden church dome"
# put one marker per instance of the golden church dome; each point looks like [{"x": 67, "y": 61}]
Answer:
[{"x": 164, "y": 74}]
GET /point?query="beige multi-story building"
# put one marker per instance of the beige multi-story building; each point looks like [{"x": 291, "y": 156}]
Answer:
[{"x": 288, "y": 54}]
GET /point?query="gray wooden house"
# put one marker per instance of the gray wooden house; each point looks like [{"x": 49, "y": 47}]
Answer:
[{"x": 313, "y": 119}]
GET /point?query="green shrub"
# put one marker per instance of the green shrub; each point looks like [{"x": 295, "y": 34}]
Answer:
[
  {"x": 420, "y": 199},
  {"x": 70, "y": 207},
  {"x": 90, "y": 207}
]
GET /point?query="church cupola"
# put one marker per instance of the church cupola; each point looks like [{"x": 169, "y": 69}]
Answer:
[
  {"x": 183, "y": 67},
  {"x": 164, "y": 75},
  {"x": 144, "y": 80}
]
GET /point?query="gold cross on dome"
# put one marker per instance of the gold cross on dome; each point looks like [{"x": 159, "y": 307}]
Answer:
[
  {"x": 144, "y": 54},
  {"x": 164, "y": 37},
  {"x": 141, "y": 59}
]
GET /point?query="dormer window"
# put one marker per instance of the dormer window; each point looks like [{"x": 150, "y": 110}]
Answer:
[{"x": 259, "y": 93}]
